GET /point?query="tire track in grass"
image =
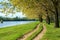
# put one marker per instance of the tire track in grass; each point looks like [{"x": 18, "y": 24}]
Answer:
[
  {"x": 41, "y": 34},
  {"x": 30, "y": 33}
]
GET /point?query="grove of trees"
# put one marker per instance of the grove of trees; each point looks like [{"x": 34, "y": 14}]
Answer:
[
  {"x": 42, "y": 9},
  {"x": 16, "y": 19}
]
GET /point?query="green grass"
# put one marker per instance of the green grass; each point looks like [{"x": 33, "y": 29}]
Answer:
[
  {"x": 52, "y": 33},
  {"x": 13, "y": 32},
  {"x": 35, "y": 33}
]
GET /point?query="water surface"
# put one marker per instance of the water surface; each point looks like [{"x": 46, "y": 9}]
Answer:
[{"x": 12, "y": 23}]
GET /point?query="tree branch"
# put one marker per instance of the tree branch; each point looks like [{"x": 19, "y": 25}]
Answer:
[{"x": 47, "y": 8}]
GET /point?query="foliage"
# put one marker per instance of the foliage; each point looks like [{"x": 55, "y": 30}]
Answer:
[
  {"x": 34, "y": 8},
  {"x": 17, "y": 19},
  {"x": 31, "y": 8}
]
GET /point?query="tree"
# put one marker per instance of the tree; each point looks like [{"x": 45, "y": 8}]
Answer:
[
  {"x": 31, "y": 8},
  {"x": 47, "y": 17},
  {"x": 7, "y": 8},
  {"x": 53, "y": 6},
  {"x": 50, "y": 5},
  {"x": 56, "y": 3}
]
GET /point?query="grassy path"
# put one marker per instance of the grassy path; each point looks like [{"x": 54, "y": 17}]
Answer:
[
  {"x": 30, "y": 33},
  {"x": 40, "y": 35}
]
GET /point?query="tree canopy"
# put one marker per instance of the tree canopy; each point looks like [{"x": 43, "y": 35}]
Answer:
[{"x": 36, "y": 8}]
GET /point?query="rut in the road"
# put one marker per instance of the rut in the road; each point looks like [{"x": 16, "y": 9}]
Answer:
[
  {"x": 41, "y": 34},
  {"x": 30, "y": 33}
]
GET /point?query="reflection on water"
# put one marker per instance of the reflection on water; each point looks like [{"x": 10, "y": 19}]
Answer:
[{"x": 11, "y": 23}]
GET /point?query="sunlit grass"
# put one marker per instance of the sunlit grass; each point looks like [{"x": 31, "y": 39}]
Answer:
[
  {"x": 13, "y": 32},
  {"x": 52, "y": 33}
]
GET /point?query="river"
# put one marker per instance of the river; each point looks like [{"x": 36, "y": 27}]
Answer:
[{"x": 12, "y": 23}]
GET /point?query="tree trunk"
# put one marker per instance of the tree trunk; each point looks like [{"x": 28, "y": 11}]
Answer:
[
  {"x": 56, "y": 14},
  {"x": 56, "y": 18},
  {"x": 40, "y": 18},
  {"x": 47, "y": 18}
]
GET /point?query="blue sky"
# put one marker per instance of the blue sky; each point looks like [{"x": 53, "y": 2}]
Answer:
[
  {"x": 18, "y": 14},
  {"x": 1, "y": 0}
]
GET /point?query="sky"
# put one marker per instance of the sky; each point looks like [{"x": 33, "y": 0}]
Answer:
[{"x": 18, "y": 14}]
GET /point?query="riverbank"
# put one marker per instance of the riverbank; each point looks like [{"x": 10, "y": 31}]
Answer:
[{"x": 12, "y": 33}]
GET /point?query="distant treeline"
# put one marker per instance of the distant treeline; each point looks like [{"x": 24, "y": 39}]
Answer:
[{"x": 16, "y": 19}]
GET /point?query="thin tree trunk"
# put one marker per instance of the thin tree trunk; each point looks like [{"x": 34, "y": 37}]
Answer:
[
  {"x": 40, "y": 18},
  {"x": 47, "y": 18}
]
